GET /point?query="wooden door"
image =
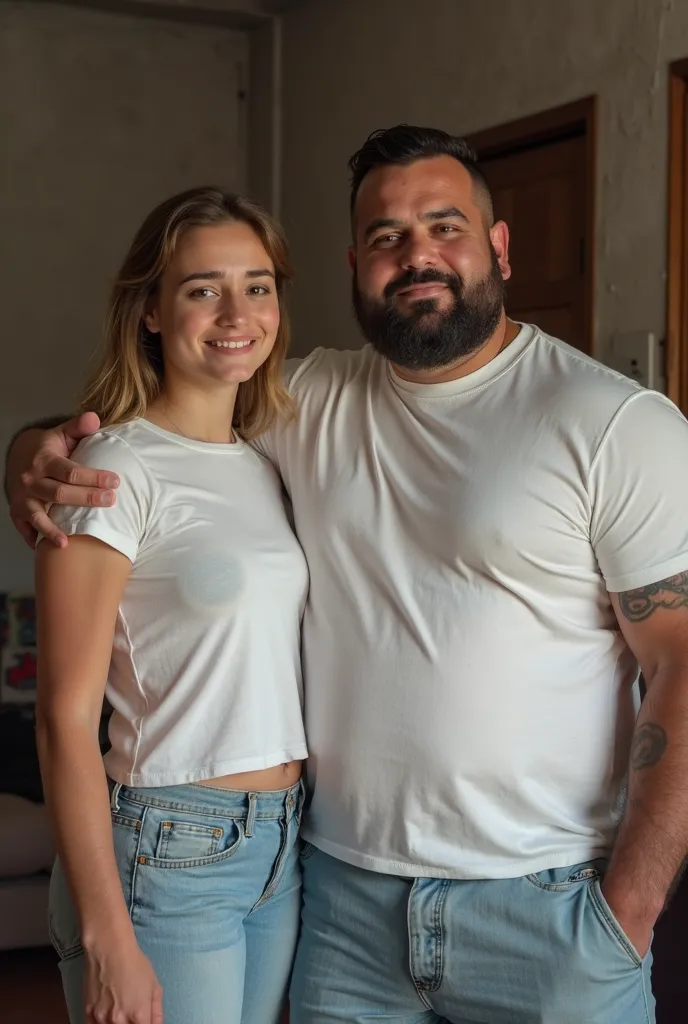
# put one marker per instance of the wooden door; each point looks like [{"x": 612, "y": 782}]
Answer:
[
  {"x": 677, "y": 256},
  {"x": 540, "y": 193},
  {"x": 541, "y": 171},
  {"x": 669, "y": 975}
]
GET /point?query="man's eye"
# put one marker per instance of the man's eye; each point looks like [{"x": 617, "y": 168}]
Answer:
[{"x": 387, "y": 240}]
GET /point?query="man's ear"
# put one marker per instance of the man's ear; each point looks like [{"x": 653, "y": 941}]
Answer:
[
  {"x": 499, "y": 236},
  {"x": 351, "y": 257}
]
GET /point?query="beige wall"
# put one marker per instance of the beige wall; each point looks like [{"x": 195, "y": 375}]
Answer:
[
  {"x": 354, "y": 65},
  {"x": 102, "y": 116}
]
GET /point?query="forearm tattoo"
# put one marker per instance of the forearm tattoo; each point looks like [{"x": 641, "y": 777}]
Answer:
[
  {"x": 640, "y": 604},
  {"x": 649, "y": 744}
]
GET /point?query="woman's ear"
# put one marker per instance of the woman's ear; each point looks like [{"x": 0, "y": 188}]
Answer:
[{"x": 151, "y": 318}]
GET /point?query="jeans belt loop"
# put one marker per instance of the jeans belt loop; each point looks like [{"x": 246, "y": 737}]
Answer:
[
  {"x": 114, "y": 796},
  {"x": 251, "y": 816}
]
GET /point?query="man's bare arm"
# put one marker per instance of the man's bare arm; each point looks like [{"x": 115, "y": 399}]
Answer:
[
  {"x": 39, "y": 473},
  {"x": 652, "y": 844},
  {"x": 21, "y": 436}
]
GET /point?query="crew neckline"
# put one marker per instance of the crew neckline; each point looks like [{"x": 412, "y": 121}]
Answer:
[
  {"x": 477, "y": 379},
  {"x": 235, "y": 448}
]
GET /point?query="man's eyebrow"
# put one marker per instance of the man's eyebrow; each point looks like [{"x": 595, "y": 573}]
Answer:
[
  {"x": 431, "y": 215},
  {"x": 448, "y": 211},
  {"x": 381, "y": 222}
]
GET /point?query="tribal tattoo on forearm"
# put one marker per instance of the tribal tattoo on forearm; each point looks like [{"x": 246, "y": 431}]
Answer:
[{"x": 638, "y": 605}]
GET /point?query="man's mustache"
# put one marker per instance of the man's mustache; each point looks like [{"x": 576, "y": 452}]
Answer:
[{"x": 429, "y": 276}]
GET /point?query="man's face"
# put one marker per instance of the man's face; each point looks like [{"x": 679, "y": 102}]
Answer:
[{"x": 429, "y": 272}]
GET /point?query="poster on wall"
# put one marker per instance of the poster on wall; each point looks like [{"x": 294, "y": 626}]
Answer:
[{"x": 17, "y": 649}]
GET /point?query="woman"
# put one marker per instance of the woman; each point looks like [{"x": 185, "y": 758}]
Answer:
[{"x": 177, "y": 881}]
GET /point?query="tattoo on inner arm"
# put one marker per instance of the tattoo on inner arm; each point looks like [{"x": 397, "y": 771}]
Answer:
[
  {"x": 649, "y": 743},
  {"x": 641, "y": 603}
]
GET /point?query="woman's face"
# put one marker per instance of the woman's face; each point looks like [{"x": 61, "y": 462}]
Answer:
[{"x": 216, "y": 309}]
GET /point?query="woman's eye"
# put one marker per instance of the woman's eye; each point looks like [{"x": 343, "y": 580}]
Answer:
[
  {"x": 259, "y": 289},
  {"x": 201, "y": 293}
]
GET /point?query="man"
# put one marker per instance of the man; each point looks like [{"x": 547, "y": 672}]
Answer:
[{"x": 494, "y": 544}]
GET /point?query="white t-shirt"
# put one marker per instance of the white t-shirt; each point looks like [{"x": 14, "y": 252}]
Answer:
[
  {"x": 205, "y": 677},
  {"x": 469, "y": 697}
]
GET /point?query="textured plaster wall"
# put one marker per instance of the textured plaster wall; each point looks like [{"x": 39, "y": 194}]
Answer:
[
  {"x": 101, "y": 117},
  {"x": 354, "y": 65}
]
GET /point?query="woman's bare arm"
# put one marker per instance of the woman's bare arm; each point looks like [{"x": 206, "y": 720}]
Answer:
[{"x": 78, "y": 590}]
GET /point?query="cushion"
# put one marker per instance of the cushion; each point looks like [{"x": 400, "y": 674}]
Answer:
[{"x": 26, "y": 845}]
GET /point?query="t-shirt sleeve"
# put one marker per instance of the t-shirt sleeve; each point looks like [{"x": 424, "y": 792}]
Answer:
[
  {"x": 123, "y": 525},
  {"x": 639, "y": 494},
  {"x": 265, "y": 444}
]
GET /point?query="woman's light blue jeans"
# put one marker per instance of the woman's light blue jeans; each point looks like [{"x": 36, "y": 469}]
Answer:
[{"x": 212, "y": 881}]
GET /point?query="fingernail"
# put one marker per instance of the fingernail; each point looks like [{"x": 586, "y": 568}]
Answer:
[
  {"x": 111, "y": 481},
  {"x": 107, "y": 498}
]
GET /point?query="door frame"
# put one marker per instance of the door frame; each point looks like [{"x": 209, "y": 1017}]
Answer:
[
  {"x": 677, "y": 239},
  {"x": 579, "y": 118}
]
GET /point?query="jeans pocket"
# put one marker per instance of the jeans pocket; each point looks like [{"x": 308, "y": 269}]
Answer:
[
  {"x": 63, "y": 923},
  {"x": 184, "y": 840},
  {"x": 564, "y": 879},
  {"x": 179, "y": 843},
  {"x": 607, "y": 920},
  {"x": 307, "y": 850}
]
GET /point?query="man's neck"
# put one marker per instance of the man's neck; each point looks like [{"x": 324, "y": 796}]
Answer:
[{"x": 506, "y": 331}]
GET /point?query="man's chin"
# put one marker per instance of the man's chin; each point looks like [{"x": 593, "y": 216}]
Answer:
[{"x": 423, "y": 310}]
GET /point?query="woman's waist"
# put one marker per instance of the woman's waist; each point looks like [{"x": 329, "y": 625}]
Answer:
[
  {"x": 206, "y": 801},
  {"x": 228, "y": 760},
  {"x": 279, "y": 777}
]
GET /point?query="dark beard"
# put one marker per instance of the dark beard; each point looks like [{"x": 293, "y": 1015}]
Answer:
[{"x": 427, "y": 339}]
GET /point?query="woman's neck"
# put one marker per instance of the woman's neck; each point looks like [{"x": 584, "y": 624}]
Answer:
[{"x": 196, "y": 414}]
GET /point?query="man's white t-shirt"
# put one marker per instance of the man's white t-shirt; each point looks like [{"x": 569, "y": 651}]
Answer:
[
  {"x": 469, "y": 697},
  {"x": 205, "y": 677}
]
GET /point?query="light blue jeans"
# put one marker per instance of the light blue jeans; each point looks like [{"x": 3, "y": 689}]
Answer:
[
  {"x": 212, "y": 881},
  {"x": 543, "y": 949}
]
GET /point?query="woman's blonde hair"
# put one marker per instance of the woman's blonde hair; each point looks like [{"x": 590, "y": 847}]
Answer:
[{"x": 130, "y": 373}]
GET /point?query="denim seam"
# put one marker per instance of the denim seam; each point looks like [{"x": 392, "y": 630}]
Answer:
[
  {"x": 612, "y": 927},
  {"x": 125, "y": 821},
  {"x": 439, "y": 948},
  {"x": 278, "y": 869},
  {"x": 645, "y": 983},
  {"x": 409, "y": 928},
  {"x": 67, "y": 952},
  {"x": 133, "y": 903},
  {"x": 553, "y": 886}
]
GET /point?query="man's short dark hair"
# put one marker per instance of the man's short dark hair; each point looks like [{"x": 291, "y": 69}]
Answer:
[{"x": 404, "y": 144}]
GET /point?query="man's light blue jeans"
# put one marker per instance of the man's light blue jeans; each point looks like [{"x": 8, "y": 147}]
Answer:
[
  {"x": 212, "y": 881},
  {"x": 543, "y": 949}
]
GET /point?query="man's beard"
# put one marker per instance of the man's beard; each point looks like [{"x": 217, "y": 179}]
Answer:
[{"x": 427, "y": 338}]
